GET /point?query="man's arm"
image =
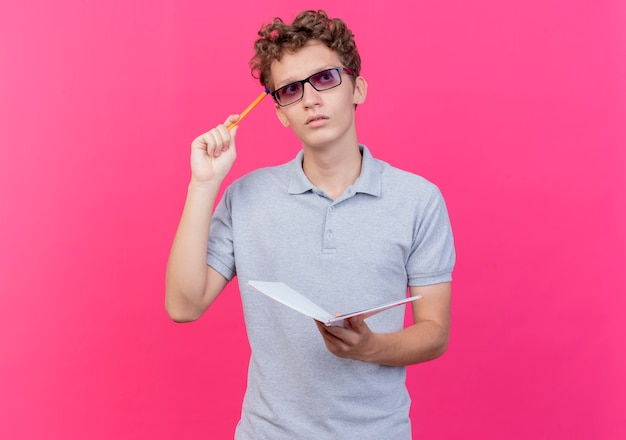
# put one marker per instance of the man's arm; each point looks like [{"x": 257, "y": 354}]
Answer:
[
  {"x": 191, "y": 285},
  {"x": 425, "y": 340}
]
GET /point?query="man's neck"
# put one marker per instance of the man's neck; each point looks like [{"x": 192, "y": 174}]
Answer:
[{"x": 332, "y": 170}]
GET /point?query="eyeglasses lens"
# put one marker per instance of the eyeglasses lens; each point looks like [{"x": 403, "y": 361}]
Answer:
[{"x": 324, "y": 80}]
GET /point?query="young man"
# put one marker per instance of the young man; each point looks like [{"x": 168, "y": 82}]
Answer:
[{"x": 344, "y": 229}]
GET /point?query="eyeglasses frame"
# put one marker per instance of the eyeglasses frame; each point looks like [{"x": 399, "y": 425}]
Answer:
[{"x": 339, "y": 69}]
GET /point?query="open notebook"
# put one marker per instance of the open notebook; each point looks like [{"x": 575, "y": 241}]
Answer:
[{"x": 286, "y": 295}]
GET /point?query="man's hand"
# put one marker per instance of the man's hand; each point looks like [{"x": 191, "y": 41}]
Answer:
[
  {"x": 213, "y": 153},
  {"x": 425, "y": 340},
  {"x": 355, "y": 341}
]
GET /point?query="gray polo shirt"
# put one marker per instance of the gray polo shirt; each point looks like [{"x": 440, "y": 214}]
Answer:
[{"x": 388, "y": 231}]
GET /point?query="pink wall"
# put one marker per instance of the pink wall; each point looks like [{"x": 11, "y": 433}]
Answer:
[{"x": 516, "y": 109}]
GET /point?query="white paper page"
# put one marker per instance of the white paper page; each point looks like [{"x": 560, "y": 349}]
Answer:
[
  {"x": 374, "y": 310},
  {"x": 291, "y": 298}
]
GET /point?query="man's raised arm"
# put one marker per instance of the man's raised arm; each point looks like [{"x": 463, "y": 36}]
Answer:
[{"x": 191, "y": 285}]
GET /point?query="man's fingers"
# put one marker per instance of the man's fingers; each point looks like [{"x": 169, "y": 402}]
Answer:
[
  {"x": 231, "y": 119},
  {"x": 357, "y": 323}
]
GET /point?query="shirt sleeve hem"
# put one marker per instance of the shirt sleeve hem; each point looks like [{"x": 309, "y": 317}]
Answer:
[{"x": 219, "y": 266}]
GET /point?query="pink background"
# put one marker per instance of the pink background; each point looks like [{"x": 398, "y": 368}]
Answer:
[{"x": 517, "y": 110}]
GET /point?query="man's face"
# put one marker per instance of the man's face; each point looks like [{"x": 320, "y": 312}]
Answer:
[{"x": 320, "y": 118}]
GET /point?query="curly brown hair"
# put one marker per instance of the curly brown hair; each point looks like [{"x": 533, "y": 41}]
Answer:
[{"x": 278, "y": 37}]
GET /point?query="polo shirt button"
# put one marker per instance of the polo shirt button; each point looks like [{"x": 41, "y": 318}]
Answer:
[
  {"x": 329, "y": 234},
  {"x": 332, "y": 209}
]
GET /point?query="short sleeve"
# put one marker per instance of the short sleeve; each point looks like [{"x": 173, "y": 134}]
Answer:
[
  {"x": 432, "y": 255},
  {"x": 220, "y": 250}
]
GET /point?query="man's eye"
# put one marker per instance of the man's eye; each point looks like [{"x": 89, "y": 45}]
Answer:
[
  {"x": 291, "y": 89},
  {"x": 325, "y": 77}
]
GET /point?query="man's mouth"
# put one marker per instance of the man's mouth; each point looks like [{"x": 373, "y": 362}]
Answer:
[{"x": 315, "y": 118}]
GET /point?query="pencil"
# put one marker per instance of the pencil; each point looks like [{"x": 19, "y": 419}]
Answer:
[{"x": 249, "y": 108}]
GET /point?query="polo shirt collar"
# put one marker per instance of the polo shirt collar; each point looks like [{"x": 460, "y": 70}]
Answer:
[{"x": 369, "y": 181}]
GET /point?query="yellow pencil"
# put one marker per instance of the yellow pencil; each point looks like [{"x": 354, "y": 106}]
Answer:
[{"x": 250, "y": 107}]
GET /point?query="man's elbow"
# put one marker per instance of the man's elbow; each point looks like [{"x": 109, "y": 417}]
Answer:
[
  {"x": 440, "y": 344},
  {"x": 441, "y": 347},
  {"x": 437, "y": 344},
  {"x": 181, "y": 318},
  {"x": 182, "y": 313}
]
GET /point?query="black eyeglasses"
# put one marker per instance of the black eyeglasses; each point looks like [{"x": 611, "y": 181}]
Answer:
[{"x": 324, "y": 80}]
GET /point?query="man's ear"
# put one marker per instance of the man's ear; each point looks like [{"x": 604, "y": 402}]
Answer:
[
  {"x": 281, "y": 116},
  {"x": 360, "y": 90}
]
